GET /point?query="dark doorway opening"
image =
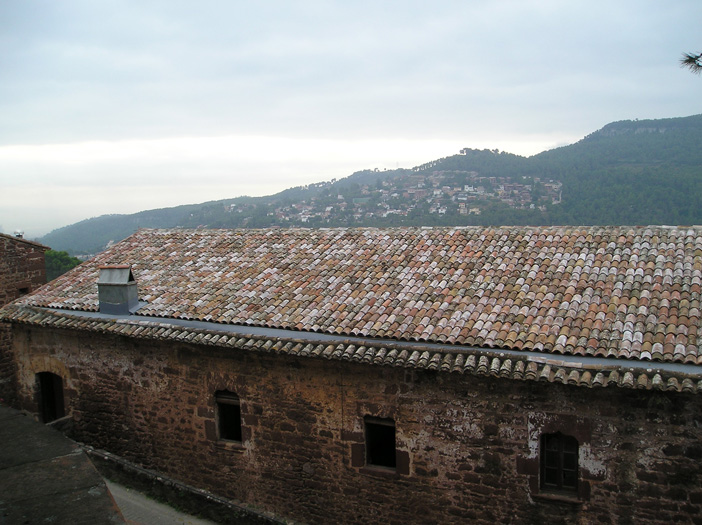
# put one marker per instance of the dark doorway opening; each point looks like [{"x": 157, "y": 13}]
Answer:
[
  {"x": 228, "y": 415},
  {"x": 51, "y": 405},
  {"x": 380, "y": 442}
]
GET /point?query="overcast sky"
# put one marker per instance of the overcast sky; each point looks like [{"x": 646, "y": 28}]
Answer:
[{"x": 122, "y": 106}]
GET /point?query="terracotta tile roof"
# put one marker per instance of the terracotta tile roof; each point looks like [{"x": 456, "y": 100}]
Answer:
[{"x": 621, "y": 292}]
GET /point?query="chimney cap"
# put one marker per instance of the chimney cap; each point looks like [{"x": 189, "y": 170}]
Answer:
[
  {"x": 116, "y": 274},
  {"x": 117, "y": 290}
]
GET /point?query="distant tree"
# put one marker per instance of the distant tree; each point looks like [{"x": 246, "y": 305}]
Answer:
[
  {"x": 692, "y": 61},
  {"x": 58, "y": 263}
]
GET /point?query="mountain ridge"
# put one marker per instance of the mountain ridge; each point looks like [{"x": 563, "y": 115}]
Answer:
[{"x": 624, "y": 173}]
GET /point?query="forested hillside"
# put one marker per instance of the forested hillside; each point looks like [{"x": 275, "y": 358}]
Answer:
[{"x": 629, "y": 172}]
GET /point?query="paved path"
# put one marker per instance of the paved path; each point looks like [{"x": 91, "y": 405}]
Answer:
[
  {"x": 138, "y": 509},
  {"x": 47, "y": 478}
]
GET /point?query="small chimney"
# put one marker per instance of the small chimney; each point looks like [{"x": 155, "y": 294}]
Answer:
[
  {"x": 19, "y": 234},
  {"x": 117, "y": 290}
]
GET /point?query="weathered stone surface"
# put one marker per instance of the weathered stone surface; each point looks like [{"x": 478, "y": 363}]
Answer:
[
  {"x": 46, "y": 478},
  {"x": 8, "y": 367},
  {"x": 22, "y": 270},
  {"x": 469, "y": 445},
  {"x": 22, "y": 267}
]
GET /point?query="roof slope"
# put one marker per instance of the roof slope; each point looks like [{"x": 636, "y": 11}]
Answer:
[
  {"x": 22, "y": 240},
  {"x": 631, "y": 293}
]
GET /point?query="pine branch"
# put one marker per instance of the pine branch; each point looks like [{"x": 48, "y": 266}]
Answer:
[{"x": 692, "y": 62}]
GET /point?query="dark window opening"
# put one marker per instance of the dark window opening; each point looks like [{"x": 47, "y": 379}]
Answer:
[
  {"x": 380, "y": 442},
  {"x": 23, "y": 291},
  {"x": 228, "y": 416},
  {"x": 559, "y": 462},
  {"x": 51, "y": 405}
]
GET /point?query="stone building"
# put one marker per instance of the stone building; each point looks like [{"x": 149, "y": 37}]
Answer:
[
  {"x": 22, "y": 270},
  {"x": 22, "y": 267},
  {"x": 506, "y": 375}
]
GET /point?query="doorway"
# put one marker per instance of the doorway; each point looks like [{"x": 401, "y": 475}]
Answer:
[{"x": 51, "y": 405}]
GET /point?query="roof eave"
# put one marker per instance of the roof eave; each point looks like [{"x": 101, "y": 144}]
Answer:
[{"x": 516, "y": 365}]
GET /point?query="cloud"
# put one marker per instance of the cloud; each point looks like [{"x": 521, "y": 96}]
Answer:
[{"x": 148, "y": 93}]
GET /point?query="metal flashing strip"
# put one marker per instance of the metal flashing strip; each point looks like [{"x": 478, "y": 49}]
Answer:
[{"x": 566, "y": 361}]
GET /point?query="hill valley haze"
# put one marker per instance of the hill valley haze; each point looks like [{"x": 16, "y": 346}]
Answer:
[{"x": 628, "y": 172}]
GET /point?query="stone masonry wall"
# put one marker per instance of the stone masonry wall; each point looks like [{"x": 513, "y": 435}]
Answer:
[
  {"x": 22, "y": 267},
  {"x": 467, "y": 446},
  {"x": 8, "y": 368},
  {"x": 22, "y": 270}
]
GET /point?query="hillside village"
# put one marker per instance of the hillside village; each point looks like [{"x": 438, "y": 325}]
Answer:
[
  {"x": 622, "y": 174},
  {"x": 416, "y": 192},
  {"x": 374, "y": 198}
]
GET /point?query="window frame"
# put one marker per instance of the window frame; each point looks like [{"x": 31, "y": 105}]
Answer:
[
  {"x": 228, "y": 417},
  {"x": 559, "y": 463},
  {"x": 381, "y": 448}
]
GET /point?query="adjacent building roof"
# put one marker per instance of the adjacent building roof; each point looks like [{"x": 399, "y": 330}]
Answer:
[
  {"x": 629, "y": 293},
  {"x": 22, "y": 240}
]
